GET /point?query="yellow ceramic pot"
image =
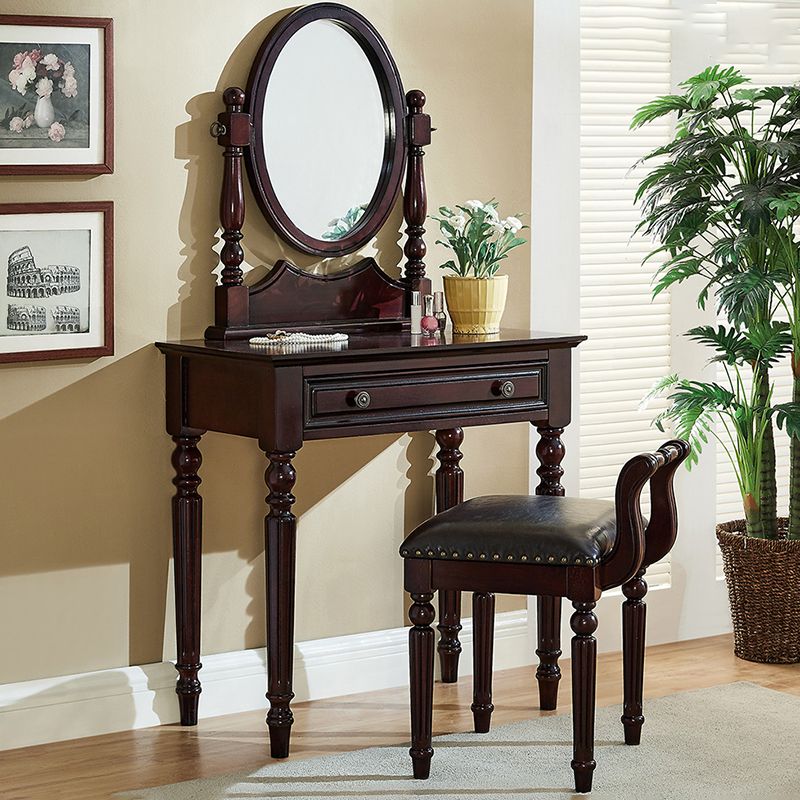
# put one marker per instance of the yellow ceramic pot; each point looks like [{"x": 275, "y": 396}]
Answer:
[{"x": 476, "y": 305}]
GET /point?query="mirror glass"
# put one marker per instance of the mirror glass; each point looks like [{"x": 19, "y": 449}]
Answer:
[{"x": 324, "y": 130}]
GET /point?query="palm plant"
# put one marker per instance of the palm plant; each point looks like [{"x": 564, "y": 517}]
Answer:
[
  {"x": 744, "y": 415},
  {"x": 722, "y": 199}
]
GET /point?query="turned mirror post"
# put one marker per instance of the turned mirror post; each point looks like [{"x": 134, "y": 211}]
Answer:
[{"x": 415, "y": 200}]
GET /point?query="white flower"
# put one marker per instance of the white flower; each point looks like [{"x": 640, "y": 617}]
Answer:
[
  {"x": 18, "y": 81},
  {"x": 56, "y": 132},
  {"x": 50, "y": 61},
  {"x": 16, "y": 125},
  {"x": 491, "y": 213},
  {"x": 28, "y": 68},
  {"x": 69, "y": 70},
  {"x": 513, "y": 224},
  {"x": 44, "y": 88},
  {"x": 69, "y": 87},
  {"x": 475, "y": 205},
  {"x": 29, "y": 119},
  {"x": 459, "y": 223}
]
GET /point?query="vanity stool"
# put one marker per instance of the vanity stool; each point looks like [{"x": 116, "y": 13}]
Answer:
[{"x": 551, "y": 546}]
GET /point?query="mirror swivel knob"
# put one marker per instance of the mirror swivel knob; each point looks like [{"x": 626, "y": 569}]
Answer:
[
  {"x": 362, "y": 400},
  {"x": 506, "y": 389}
]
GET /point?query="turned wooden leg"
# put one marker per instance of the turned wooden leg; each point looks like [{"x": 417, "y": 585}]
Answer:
[
  {"x": 548, "y": 674},
  {"x": 634, "y": 612},
  {"x": 280, "y": 529},
  {"x": 482, "y": 650},
  {"x": 420, "y": 647},
  {"x": 187, "y": 522},
  {"x": 584, "y": 667},
  {"x": 550, "y": 453},
  {"x": 449, "y": 492}
]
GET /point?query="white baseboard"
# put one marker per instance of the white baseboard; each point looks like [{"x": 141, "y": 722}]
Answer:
[{"x": 93, "y": 703}]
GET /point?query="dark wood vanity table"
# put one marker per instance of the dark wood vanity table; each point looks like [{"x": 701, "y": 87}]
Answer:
[{"x": 385, "y": 380}]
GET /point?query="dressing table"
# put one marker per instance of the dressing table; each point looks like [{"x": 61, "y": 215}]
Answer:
[{"x": 384, "y": 379}]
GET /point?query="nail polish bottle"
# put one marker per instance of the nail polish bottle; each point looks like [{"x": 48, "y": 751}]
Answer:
[
  {"x": 416, "y": 314},
  {"x": 438, "y": 310},
  {"x": 429, "y": 323}
]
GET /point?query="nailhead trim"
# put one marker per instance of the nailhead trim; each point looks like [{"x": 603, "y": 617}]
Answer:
[{"x": 441, "y": 553}]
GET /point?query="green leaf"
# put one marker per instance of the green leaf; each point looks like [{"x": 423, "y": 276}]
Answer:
[
  {"x": 711, "y": 82},
  {"x": 452, "y": 266},
  {"x": 659, "y": 107},
  {"x": 787, "y": 417},
  {"x": 788, "y": 205},
  {"x": 753, "y": 201}
]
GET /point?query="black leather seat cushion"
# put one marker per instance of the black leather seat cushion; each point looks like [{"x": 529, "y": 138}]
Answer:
[{"x": 511, "y": 528}]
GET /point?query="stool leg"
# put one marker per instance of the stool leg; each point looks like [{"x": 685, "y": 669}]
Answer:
[
  {"x": 548, "y": 675},
  {"x": 483, "y": 647},
  {"x": 584, "y": 664},
  {"x": 449, "y": 627},
  {"x": 421, "y": 650},
  {"x": 634, "y": 612}
]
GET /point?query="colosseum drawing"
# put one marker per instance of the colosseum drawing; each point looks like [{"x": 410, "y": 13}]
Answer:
[
  {"x": 26, "y": 318},
  {"x": 25, "y": 279},
  {"x": 67, "y": 319}
]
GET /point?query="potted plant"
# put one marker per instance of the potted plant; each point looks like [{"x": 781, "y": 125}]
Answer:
[
  {"x": 722, "y": 200},
  {"x": 476, "y": 294}
]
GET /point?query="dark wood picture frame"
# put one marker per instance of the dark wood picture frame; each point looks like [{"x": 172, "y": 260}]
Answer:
[
  {"x": 391, "y": 89},
  {"x": 106, "y": 208},
  {"x": 106, "y": 165}
]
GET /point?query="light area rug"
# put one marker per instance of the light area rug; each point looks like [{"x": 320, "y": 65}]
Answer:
[{"x": 733, "y": 742}]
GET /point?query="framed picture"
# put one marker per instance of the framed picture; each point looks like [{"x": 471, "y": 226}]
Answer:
[
  {"x": 56, "y": 95},
  {"x": 56, "y": 281}
]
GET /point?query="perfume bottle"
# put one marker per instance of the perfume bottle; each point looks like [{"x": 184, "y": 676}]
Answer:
[
  {"x": 429, "y": 323},
  {"x": 438, "y": 310},
  {"x": 416, "y": 314}
]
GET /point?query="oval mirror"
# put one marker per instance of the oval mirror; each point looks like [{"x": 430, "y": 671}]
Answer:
[{"x": 328, "y": 151}]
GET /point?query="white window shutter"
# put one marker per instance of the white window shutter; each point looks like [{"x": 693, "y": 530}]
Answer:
[{"x": 625, "y": 62}]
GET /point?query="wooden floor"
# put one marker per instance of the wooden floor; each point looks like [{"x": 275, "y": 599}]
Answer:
[{"x": 94, "y": 768}]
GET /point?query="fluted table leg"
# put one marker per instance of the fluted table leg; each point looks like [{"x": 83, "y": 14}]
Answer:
[
  {"x": 280, "y": 533},
  {"x": 187, "y": 522}
]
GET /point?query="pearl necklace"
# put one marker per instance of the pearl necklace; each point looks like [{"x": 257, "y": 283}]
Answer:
[{"x": 301, "y": 341}]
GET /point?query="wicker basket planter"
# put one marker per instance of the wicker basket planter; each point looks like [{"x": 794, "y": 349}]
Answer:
[{"x": 763, "y": 579}]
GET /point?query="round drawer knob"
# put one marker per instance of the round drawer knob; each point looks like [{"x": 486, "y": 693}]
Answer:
[
  {"x": 362, "y": 400},
  {"x": 507, "y": 389}
]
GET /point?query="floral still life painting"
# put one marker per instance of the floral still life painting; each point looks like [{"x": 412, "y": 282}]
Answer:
[{"x": 44, "y": 99}]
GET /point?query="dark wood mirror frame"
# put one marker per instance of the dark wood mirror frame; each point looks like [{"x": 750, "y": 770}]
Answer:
[
  {"x": 391, "y": 89},
  {"x": 364, "y": 296}
]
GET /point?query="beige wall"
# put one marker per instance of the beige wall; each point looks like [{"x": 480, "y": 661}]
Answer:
[{"x": 84, "y": 462}]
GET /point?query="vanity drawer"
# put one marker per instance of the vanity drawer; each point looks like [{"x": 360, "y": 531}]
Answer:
[{"x": 406, "y": 395}]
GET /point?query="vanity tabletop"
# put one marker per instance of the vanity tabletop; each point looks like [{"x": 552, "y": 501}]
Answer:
[{"x": 374, "y": 345}]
